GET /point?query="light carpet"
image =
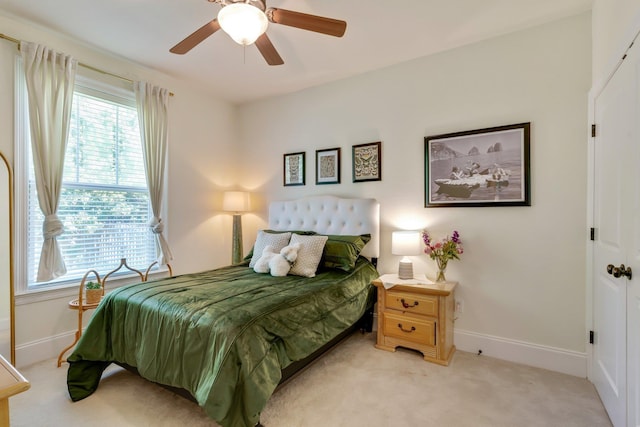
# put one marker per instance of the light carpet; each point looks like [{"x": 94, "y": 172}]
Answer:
[{"x": 355, "y": 385}]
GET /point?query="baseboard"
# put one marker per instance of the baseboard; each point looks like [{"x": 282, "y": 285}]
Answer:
[
  {"x": 43, "y": 349},
  {"x": 551, "y": 358}
]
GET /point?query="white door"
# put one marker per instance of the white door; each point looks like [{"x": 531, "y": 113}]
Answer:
[
  {"x": 615, "y": 203},
  {"x": 633, "y": 260}
]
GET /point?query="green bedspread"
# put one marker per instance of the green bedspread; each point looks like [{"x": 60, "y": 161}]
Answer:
[{"x": 223, "y": 335}]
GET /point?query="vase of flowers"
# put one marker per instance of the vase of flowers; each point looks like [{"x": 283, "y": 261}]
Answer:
[{"x": 442, "y": 251}]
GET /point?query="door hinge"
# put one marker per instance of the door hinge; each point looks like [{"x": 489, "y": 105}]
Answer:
[
  {"x": 592, "y": 233},
  {"x": 591, "y": 337},
  {"x": 593, "y": 131}
]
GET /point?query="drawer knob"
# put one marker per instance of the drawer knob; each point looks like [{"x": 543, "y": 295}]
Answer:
[
  {"x": 405, "y": 305},
  {"x": 413, "y": 328}
]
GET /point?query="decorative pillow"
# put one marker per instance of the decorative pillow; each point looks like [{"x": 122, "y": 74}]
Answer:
[
  {"x": 342, "y": 252},
  {"x": 306, "y": 233},
  {"x": 309, "y": 255},
  {"x": 276, "y": 241}
]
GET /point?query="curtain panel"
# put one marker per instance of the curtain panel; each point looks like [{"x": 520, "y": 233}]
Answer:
[
  {"x": 50, "y": 78},
  {"x": 152, "y": 114}
]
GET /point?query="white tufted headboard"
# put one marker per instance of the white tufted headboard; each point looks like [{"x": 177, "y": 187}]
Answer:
[{"x": 330, "y": 215}]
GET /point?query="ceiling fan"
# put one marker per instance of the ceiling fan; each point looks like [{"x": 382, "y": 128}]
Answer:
[{"x": 246, "y": 22}]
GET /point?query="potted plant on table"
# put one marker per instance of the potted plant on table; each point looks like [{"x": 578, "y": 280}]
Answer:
[{"x": 93, "y": 292}]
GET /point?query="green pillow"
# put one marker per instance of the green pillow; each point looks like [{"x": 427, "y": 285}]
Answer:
[
  {"x": 304, "y": 233},
  {"x": 342, "y": 252}
]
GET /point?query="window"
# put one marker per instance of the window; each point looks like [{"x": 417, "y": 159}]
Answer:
[{"x": 104, "y": 202}]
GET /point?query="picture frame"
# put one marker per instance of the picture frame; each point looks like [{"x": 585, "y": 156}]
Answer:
[
  {"x": 328, "y": 166},
  {"x": 478, "y": 168},
  {"x": 367, "y": 162},
  {"x": 294, "y": 169}
]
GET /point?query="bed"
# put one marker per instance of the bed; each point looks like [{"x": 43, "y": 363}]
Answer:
[{"x": 229, "y": 336}]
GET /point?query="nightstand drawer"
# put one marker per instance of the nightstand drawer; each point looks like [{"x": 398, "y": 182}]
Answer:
[
  {"x": 421, "y": 331},
  {"x": 412, "y": 303}
]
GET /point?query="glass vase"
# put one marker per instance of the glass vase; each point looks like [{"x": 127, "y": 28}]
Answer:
[{"x": 442, "y": 267}]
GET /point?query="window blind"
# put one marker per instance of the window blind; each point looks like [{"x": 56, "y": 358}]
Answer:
[{"x": 104, "y": 202}]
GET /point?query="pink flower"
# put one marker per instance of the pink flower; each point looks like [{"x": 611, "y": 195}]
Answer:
[{"x": 444, "y": 250}]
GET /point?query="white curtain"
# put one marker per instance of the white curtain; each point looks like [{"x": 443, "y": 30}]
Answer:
[
  {"x": 152, "y": 113},
  {"x": 50, "y": 78}
]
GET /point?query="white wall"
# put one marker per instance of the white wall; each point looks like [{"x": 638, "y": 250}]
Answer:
[
  {"x": 522, "y": 277},
  {"x": 202, "y": 132}
]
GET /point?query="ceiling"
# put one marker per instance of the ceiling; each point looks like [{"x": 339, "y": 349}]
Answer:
[{"x": 379, "y": 33}]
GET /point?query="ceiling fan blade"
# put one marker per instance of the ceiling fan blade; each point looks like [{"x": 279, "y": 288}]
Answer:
[
  {"x": 196, "y": 37},
  {"x": 268, "y": 51},
  {"x": 319, "y": 24}
]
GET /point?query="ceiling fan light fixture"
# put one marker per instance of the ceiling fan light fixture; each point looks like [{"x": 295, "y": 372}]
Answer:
[{"x": 243, "y": 22}]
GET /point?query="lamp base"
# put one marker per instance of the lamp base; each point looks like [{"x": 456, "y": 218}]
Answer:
[
  {"x": 236, "y": 250},
  {"x": 405, "y": 270}
]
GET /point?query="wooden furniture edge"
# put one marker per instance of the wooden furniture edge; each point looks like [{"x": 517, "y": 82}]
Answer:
[
  {"x": 423, "y": 288},
  {"x": 21, "y": 384}
]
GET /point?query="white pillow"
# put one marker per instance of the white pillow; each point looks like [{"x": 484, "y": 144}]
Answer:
[
  {"x": 276, "y": 240},
  {"x": 309, "y": 255}
]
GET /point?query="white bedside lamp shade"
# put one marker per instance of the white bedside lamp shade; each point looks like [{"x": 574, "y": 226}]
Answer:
[
  {"x": 236, "y": 202},
  {"x": 405, "y": 243}
]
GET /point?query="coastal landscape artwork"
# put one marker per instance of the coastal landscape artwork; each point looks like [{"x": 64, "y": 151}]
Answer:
[{"x": 483, "y": 167}]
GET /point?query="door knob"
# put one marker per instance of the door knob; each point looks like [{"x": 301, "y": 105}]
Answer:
[{"x": 619, "y": 271}]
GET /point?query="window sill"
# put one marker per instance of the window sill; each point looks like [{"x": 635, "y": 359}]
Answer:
[{"x": 71, "y": 290}]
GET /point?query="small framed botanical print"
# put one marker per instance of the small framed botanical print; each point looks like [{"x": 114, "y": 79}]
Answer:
[
  {"x": 328, "y": 166},
  {"x": 366, "y": 162},
  {"x": 294, "y": 172}
]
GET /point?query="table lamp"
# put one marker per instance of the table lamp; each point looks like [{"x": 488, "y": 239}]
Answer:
[
  {"x": 236, "y": 202},
  {"x": 405, "y": 243}
]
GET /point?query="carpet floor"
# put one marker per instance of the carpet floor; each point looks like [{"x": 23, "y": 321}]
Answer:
[{"x": 355, "y": 385}]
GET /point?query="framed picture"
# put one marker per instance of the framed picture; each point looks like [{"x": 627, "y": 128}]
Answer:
[
  {"x": 366, "y": 162},
  {"x": 328, "y": 166},
  {"x": 294, "y": 169},
  {"x": 484, "y": 167}
]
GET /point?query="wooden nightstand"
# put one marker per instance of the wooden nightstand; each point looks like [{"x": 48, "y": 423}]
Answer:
[{"x": 417, "y": 316}]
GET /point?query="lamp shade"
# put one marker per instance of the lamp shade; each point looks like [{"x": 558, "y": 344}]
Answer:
[
  {"x": 235, "y": 201},
  {"x": 405, "y": 243},
  {"x": 243, "y": 22}
]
